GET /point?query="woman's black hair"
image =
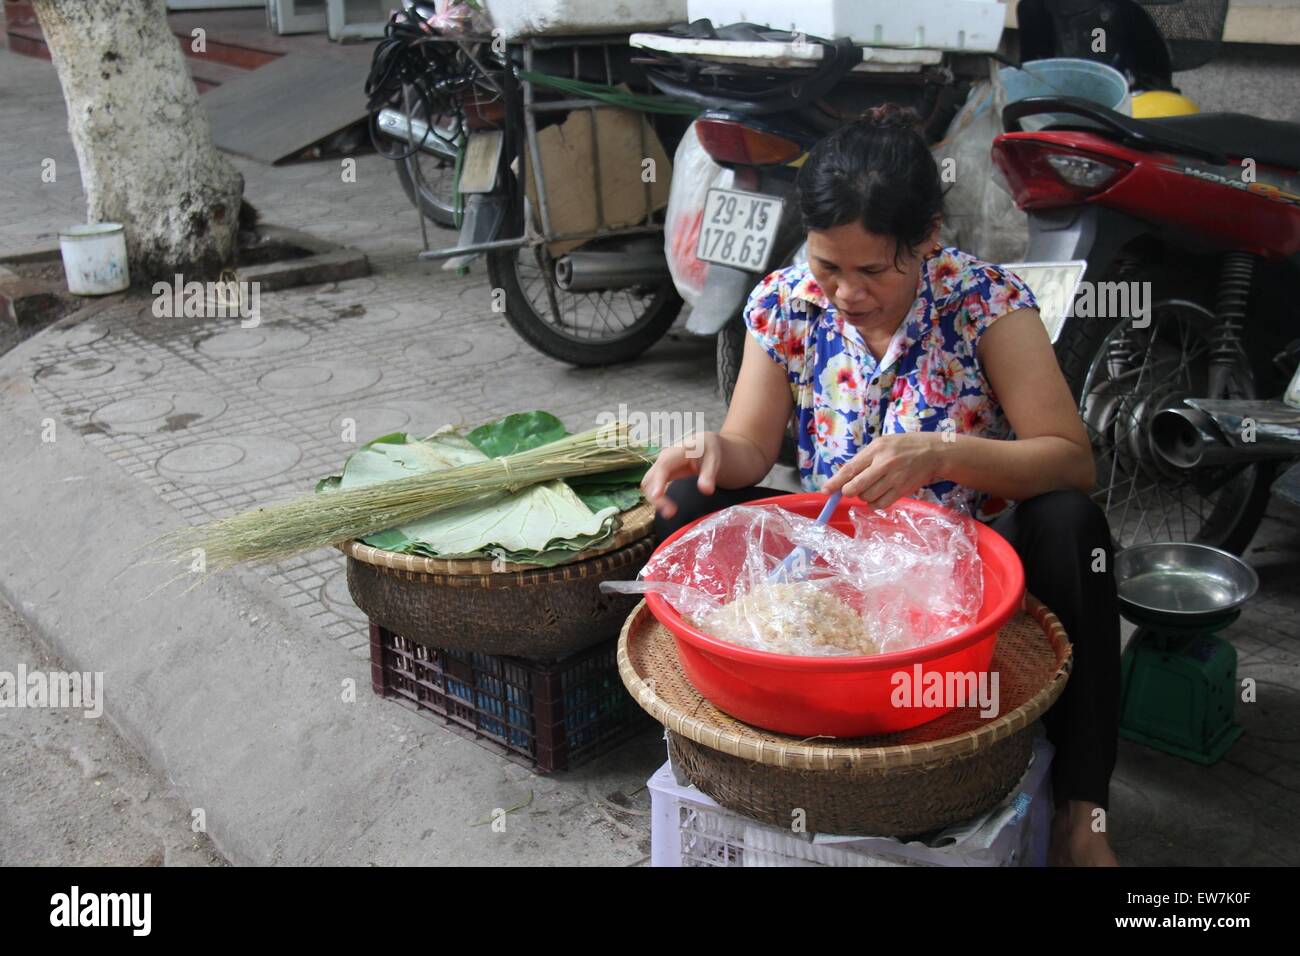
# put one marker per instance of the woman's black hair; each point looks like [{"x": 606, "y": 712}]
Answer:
[{"x": 877, "y": 171}]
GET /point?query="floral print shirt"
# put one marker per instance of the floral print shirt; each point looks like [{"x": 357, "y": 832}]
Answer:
[{"x": 929, "y": 378}]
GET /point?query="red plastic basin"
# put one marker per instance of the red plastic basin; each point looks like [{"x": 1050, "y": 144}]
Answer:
[{"x": 843, "y": 696}]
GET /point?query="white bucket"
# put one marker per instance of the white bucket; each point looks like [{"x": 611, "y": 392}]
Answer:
[{"x": 94, "y": 258}]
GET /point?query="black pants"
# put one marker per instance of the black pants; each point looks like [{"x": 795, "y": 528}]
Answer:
[{"x": 1056, "y": 536}]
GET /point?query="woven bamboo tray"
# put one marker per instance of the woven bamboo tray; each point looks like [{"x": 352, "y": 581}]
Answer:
[
  {"x": 903, "y": 784},
  {"x": 516, "y": 610}
]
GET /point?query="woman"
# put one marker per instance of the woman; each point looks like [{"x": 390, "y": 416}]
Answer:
[{"x": 917, "y": 370}]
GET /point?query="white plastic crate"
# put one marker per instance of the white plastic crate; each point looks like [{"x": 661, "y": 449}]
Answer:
[
  {"x": 525, "y": 18},
  {"x": 968, "y": 25},
  {"x": 689, "y": 829},
  {"x": 358, "y": 19}
]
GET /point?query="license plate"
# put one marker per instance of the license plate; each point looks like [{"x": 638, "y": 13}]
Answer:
[
  {"x": 738, "y": 229},
  {"x": 1053, "y": 285},
  {"x": 478, "y": 167}
]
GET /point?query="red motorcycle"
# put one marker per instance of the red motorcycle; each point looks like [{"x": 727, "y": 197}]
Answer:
[{"x": 1188, "y": 325}]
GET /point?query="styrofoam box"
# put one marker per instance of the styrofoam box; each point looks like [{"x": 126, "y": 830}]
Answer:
[
  {"x": 687, "y": 828},
  {"x": 525, "y": 18},
  {"x": 973, "y": 25}
]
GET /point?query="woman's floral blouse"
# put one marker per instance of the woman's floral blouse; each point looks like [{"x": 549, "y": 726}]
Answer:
[{"x": 929, "y": 379}]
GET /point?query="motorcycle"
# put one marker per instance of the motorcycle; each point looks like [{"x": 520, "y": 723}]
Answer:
[
  {"x": 1190, "y": 228},
  {"x": 768, "y": 96},
  {"x": 460, "y": 113}
]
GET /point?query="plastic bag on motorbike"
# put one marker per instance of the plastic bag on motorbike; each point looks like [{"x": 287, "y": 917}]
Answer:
[
  {"x": 980, "y": 217},
  {"x": 450, "y": 16},
  {"x": 902, "y": 580},
  {"x": 694, "y": 173}
]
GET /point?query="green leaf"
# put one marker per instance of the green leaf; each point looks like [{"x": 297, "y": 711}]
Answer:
[
  {"x": 518, "y": 432},
  {"x": 334, "y": 482},
  {"x": 390, "y": 540},
  {"x": 524, "y": 430},
  {"x": 392, "y": 438},
  {"x": 620, "y": 498},
  {"x": 539, "y": 518},
  {"x": 543, "y": 524},
  {"x": 608, "y": 480},
  {"x": 385, "y": 459}
]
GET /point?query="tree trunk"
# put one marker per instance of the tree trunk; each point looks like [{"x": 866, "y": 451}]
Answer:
[{"x": 142, "y": 139}]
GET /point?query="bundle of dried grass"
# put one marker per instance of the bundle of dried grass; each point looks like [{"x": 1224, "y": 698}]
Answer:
[{"x": 321, "y": 520}]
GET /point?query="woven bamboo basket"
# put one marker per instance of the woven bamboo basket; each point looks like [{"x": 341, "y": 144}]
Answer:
[
  {"x": 502, "y": 608},
  {"x": 903, "y": 784}
]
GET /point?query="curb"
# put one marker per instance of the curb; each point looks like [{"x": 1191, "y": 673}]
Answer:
[{"x": 239, "y": 701}]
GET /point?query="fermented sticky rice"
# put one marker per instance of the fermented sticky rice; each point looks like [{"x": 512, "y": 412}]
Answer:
[{"x": 801, "y": 618}]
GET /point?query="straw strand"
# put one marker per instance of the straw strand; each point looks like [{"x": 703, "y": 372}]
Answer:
[{"x": 316, "y": 521}]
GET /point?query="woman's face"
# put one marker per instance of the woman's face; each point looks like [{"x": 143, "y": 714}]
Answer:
[{"x": 857, "y": 271}]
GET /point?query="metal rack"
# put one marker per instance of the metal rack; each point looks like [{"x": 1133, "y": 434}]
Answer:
[{"x": 515, "y": 89}]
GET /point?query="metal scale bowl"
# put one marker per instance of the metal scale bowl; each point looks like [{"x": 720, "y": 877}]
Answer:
[{"x": 1180, "y": 677}]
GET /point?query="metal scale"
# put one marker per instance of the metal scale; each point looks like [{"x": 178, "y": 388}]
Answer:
[{"x": 1180, "y": 678}]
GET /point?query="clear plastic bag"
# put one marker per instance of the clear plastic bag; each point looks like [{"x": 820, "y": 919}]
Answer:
[
  {"x": 694, "y": 172},
  {"x": 929, "y": 581},
  {"x": 980, "y": 216},
  {"x": 904, "y": 579}
]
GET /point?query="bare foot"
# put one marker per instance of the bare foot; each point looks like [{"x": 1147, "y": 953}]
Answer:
[{"x": 1074, "y": 841}]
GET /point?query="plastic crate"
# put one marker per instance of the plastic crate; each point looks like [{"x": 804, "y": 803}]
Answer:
[
  {"x": 549, "y": 715},
  {"x": 689, "y": 829},
  {"x": 966, "y": 25}
]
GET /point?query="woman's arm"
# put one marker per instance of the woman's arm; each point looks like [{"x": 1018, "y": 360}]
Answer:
[
  {"x": 744, "y": 451},
  {"x": 1051, "y": 450},
  {"x": 760, "y": 407}
]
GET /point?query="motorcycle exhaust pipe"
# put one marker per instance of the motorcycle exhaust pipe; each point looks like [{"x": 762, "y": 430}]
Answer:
[
  {"x": 1226, "y": 432},
  {"x": 1187, "y": 438},
  {"x": 597, "y": 271},
  {"x": 400, "y": 127}
]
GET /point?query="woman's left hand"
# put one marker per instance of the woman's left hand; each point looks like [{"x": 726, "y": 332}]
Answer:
[{"x": 892, "y": 466}]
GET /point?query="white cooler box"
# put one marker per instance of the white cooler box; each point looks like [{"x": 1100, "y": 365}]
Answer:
[
  {"x": 528, "y": 18},
  {"x": 972, "y": 25},
  {"x": 687, "y": 828}
]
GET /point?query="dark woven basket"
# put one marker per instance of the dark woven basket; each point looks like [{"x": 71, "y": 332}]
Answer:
[
  {"x": 866, "y": 801},
  {"x": 542, "y": 614},
  {"x": 901, "y": 784}
]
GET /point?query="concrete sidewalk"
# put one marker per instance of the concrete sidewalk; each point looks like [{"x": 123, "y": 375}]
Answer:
[
  {"x": 75, "y": 793},
  {"x": 235, "y": 689}
]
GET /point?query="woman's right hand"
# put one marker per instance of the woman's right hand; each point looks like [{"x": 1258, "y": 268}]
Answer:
[{"x": 699, "y": 455}]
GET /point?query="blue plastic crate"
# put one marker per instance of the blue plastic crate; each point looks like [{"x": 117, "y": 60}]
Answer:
[{"x": 583, "y": 709}]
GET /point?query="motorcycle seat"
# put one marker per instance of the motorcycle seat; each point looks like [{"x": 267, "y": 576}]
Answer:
[{"x": 1271, "y": 142}]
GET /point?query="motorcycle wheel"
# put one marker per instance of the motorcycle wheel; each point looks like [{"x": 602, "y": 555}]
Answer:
[
  {"x": 429, "y": 180},
  {"x": 1121, "y": 376},
  {"x": 581, "y": 328}
]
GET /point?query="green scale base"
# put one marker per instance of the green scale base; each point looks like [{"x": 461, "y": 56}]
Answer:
[{"x": 1180, "y": 687}]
